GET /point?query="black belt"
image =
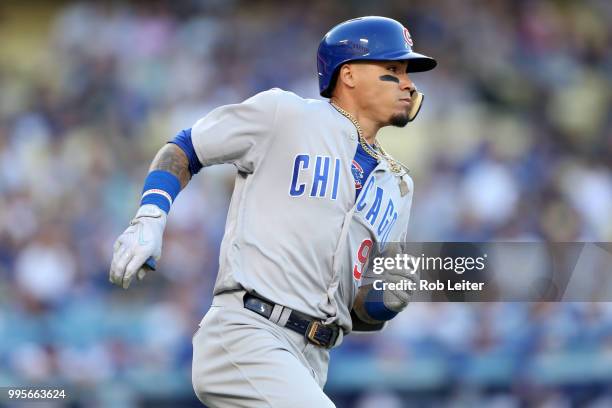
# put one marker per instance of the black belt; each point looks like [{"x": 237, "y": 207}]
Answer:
[{"x": 314, "y": 330}]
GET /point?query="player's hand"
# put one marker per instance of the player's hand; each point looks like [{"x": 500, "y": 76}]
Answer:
[
  {"x": 397, "y": 300},
  {"x": 139, "y": 242}
]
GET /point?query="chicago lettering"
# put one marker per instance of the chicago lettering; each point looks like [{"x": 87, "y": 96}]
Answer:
[
  {"x": 324, "y": 181},
  {"x": 319, "y": 176}
]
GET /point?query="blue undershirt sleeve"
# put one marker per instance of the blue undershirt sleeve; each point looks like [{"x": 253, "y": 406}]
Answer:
[{"x": 183, "y": 140}]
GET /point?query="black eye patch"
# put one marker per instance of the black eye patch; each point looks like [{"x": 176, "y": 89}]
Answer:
[{"x": 389, "y": 78}]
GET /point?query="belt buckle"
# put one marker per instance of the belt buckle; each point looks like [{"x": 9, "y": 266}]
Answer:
[{"x": 311, "y": 332}]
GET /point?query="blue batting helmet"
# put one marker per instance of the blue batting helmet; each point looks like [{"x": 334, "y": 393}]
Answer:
[{"x": 366, "y": 39}]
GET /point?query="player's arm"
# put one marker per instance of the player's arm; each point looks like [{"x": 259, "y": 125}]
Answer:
[
  {"x": 173, "y": 159},
  {"x": 232, "y": 134},
  {"x": 361, "y": 319},
  {"x": 375, "y": 305},
  {"x": 139, "y": 247}
]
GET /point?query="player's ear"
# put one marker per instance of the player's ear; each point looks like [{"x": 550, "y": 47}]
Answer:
[{"x": 346, "y": 75}]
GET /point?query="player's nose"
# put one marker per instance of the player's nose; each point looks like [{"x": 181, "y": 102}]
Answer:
[{"x": 406, "y": 84}]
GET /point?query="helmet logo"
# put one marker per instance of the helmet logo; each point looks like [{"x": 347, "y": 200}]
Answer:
[{"x": 407, "y": 37}]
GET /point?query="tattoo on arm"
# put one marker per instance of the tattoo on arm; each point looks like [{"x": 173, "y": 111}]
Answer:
[{"x": 173, "y": 159}]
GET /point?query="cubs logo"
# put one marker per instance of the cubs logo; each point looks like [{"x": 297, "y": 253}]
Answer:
[
  {"x": 407, "y": 37},
  {"x": 357, "y": 171}
]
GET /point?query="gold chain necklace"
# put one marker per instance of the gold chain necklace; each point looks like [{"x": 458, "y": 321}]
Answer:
[{"x": 394, "y": 165}]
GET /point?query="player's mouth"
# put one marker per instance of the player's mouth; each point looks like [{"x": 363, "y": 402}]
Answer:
[{"x": 406, "y": 101}]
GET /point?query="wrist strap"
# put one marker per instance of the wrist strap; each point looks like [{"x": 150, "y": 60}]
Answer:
[
  {"x": 375, "y": 306},
  {"x": 160, "y": 188}
]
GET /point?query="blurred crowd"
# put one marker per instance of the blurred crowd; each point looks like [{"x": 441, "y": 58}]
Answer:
[{"x": 514, "y": 143}]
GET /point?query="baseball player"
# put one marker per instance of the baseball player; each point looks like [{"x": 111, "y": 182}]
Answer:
[{"x": 314, "y": 194}]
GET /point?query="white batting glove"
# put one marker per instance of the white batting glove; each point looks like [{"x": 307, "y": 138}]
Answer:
[
  {"x": 397, "y": 299},
  {"x": 139, "y": 242}
]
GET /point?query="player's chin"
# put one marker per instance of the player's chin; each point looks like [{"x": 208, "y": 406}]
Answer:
[{"x": 399, "y": 119}]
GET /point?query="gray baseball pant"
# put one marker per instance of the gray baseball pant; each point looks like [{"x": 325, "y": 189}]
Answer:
[{"x": 241, "y": 359}]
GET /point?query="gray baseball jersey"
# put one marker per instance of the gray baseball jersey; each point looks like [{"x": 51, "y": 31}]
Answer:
[{"x": 295, "y": 233}]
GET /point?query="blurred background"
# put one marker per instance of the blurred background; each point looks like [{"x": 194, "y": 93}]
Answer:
[{"x": 514, "y": 143}]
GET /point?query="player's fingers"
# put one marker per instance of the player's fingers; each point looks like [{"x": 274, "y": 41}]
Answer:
[
  {"x": 148, "y": 266},
  {"x": 402, "y": 296},
  {"x": 114, "y": 271},
  {"x": 132, "y": 268},
  {"x": 119, "y": 265},
  {"x": 142, "y": 272},
  {"x": 119, "y": 242},
  {"x": 397, "y": 276},
  {"x": 119, "y": 251},
  {"x": 396, "y": 300}
]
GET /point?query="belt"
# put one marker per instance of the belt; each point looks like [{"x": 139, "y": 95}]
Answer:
[{"x": 314, "y": 330}]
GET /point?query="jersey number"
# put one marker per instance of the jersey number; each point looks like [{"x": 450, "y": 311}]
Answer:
[{"x": 362, "y": 255}]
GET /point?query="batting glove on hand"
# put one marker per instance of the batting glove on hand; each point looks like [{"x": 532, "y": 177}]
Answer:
[
  {"x": 139, "y": 242},
  {"x": 396, "y": 300}
]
